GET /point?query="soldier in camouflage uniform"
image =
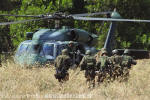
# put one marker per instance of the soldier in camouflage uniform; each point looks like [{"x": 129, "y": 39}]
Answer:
[
  {"x": 126, "y": 63},
  {"x": 88, "y": 63},
  {"x": 74, "y": 52},
  {"x": 116, "y": 67},
  {"x": 62, "y": 65},
  {"x": 99, "y": 53},
  {"x": 71, "y": 48},
  {"x": 103, "y": 66}
]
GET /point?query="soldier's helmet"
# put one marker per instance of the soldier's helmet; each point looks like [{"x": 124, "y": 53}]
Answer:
[
  {"x": 102, "y": 49},
  {"x": 64, "y": 51},
  {"x": 104, "y": 52},
  {"x": 126, "y": 51},
  {"x": 88, "y": 52},
  {"x": 115, "y": 52}
]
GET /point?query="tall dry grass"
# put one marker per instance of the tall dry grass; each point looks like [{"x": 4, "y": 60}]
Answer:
[{"x": 39, "y": 83}]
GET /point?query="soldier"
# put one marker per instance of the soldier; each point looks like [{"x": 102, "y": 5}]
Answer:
[
  {"x": 62, "y": 64},
  {"x": 75, "y": 51},
  {"x": 71, "y": 48},
  {"x": 103, "y": 66},
  {"x": 116, "y": 61},
  {"x": 88, "y": 63},
  {"x": 71, "y": 52},
  {"x": 99, "y": 53},
  {"x": 126, "y": 63}
]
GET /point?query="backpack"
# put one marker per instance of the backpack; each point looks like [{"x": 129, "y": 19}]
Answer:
[
  {"x": 90, "y": 62},
  {"x": 104, "y": 62},
  {"x": 59, "y": 62},
  {"x": 125, "y": 61}
]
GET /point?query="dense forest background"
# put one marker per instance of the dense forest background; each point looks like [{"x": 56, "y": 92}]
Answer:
[{"x": 127, "y": 34}]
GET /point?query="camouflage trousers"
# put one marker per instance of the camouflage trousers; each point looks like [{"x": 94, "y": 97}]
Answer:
[
  {"x": 125, "y": 74},
  {"x": 62, "y": 76},
  {"x": 90, "y": 78},
  {"x": 104, "y": 75},
  {"x": 116, "y": 72}
]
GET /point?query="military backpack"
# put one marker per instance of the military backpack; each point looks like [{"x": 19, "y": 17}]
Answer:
[
  {"x": 126, "y": 61},
  {"x": 90, "y": 61}
]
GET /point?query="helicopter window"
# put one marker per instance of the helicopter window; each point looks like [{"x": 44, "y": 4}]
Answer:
[
  {"x": 34, "y": 49},
  {"x": 60, "y": 48},
  {"x": 23, "y": 48},
  {"x": 48, "y": 49},
  {"x": 74, "y": 35}
]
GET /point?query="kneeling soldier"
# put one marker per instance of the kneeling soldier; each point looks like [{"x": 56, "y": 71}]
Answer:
[
  {"x": 116, "y": 67},
  {"x": 126, "y": 63},
  {"x": 104, "y": 67}
]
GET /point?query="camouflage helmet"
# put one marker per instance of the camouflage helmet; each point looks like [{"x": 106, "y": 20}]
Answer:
[
  {"x": 104, "y": 52},
  {"x": 64, "y": 51},
  {"x": 88, "y": 52},
  {"x": 102, "y": 49},
  {"x": 115, "y": 51},
  {"x": 126, "y": 51}
]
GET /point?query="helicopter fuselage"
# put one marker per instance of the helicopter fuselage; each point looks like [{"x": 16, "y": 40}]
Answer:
[{"x": 46, "y": 45}]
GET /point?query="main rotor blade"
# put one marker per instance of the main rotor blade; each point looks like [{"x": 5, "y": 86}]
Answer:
[
  {"x": 36, "y": 16},
  {"x": 91, "y": 14},
  {"x": 109, "y": 19},
  {"x": 22, "y": 21}
]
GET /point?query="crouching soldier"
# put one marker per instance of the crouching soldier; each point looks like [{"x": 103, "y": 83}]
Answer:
[
  {"x": 103, "y": 66},
  {"x": 126, "y": 63},
  {"x": 62, "y": 65},
  {"x": 88, "y": 63},
  {"x": 116, "y": 64}
]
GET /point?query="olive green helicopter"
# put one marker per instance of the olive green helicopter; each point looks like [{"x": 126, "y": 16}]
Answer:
[{"x": 45, "y": 45}]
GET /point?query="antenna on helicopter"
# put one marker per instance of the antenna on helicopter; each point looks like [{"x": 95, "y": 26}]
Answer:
[
  {"x": 110, "y": 36},
  {"x": 115, "y": 14},
  {"x": 57, "y": 24}
]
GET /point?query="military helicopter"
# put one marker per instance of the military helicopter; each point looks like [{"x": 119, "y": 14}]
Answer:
[{"x": 46, "y": 44}]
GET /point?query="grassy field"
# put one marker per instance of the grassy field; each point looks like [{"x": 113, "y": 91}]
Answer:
[{"x": 39, "y": 84}]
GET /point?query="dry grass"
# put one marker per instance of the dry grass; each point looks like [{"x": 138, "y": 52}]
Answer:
[{"x": 39, "y": 83}]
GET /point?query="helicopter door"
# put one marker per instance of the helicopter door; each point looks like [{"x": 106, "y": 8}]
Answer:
[{"x": 48, "y": 51}]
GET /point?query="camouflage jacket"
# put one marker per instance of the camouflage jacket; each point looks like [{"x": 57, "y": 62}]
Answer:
[
  {"x": 116, "y": 60},
  {"x": 127, "y": 61},
  {"x": 88, "y": 62},
  {"x": 62, "y": 62},
  {"x": 103, "y": 63}
]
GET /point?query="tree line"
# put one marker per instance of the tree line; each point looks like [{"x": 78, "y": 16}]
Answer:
[{"x": 127, "y": 34}]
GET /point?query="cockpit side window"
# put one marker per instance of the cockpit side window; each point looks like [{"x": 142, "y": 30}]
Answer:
[
  {"x": 22, "y": 49},
  {"x": 48, "y": 49}
]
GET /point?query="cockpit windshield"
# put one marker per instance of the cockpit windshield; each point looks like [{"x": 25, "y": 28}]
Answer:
[
  {"x": 22, "y": 49},
  {"x": 48, "y": 49},
  {"x": 34, "y": 49}
]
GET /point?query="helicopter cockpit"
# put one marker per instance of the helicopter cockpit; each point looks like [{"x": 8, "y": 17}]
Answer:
[{"x": 39, "y": 53}]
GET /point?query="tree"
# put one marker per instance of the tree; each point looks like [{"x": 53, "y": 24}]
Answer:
[{"x": 128, "y": 35}]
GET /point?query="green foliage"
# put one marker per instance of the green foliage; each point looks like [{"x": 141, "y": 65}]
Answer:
[{"x": 127, "y": 35}]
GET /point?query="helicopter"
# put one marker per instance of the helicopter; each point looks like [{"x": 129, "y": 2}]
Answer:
[{"x": 46, "y": 44}]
